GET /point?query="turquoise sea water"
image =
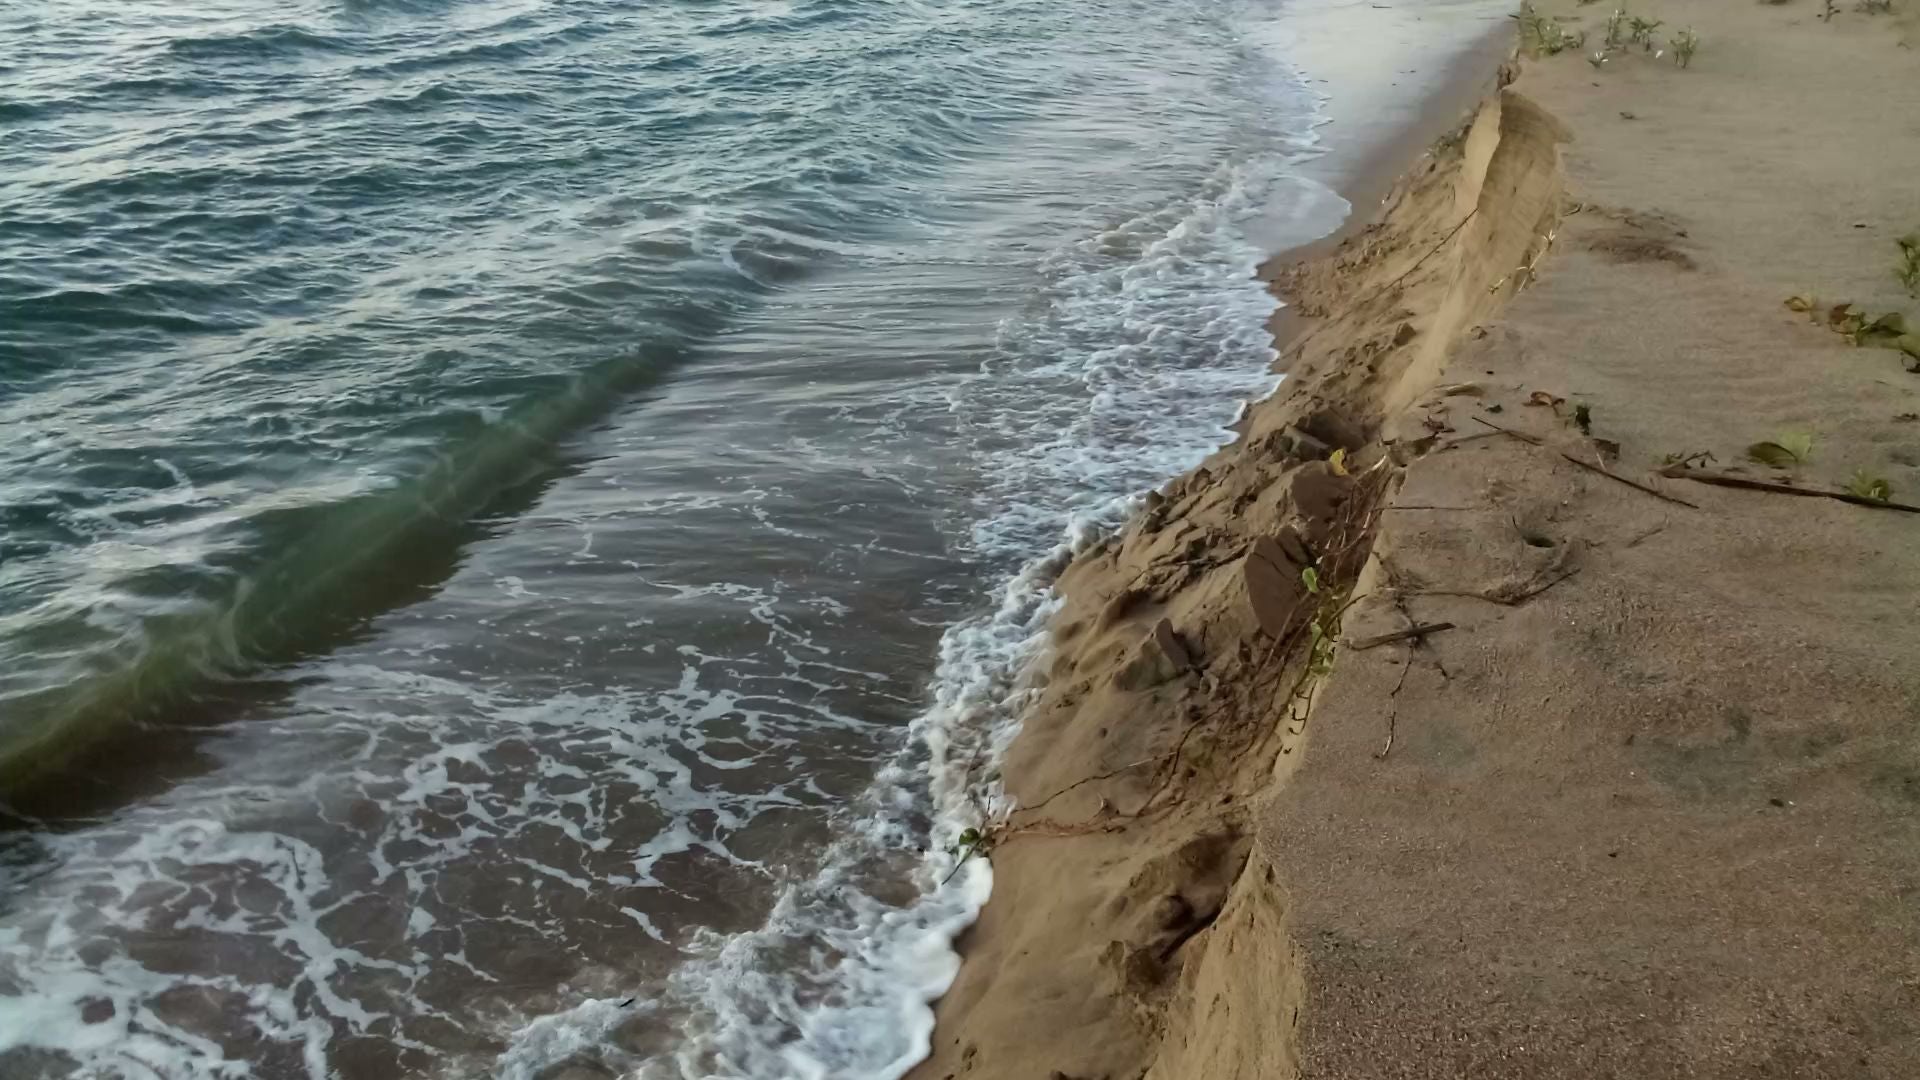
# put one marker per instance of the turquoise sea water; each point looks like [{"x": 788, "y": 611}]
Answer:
[{"x": 520, "y": 522}]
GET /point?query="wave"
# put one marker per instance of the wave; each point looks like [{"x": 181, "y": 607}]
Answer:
[
  {"x": 325, "y": 570},
  {"x": 263, "y": 43}
]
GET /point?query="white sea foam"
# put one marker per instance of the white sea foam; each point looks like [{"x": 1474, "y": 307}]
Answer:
[
  {"x": 1136, "y": 346},
  {"x": 1134, "y": 368}
]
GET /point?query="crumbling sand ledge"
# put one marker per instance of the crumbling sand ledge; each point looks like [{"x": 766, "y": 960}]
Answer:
[{"x": 1652, "y": 807}]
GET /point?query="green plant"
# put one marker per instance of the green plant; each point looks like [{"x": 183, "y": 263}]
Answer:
[
  {"x": 969, "y": 843},
  {"x": 1641, "y": 30},
  {"x": 1908, "y": 268},
  {"x": 1852, "y": 322},
  {"x": 1583, "y": 419},
  {"x": 1543, "y": 36},
  {"x": 1684, "y": 45},
  {"x": 1790, "y": 449},
  {"x": 1598, "y": 60},
  {"x": 1868, "y": 486},
  {"x": 1320, "y": 658},
  {"x": 1829, "y": 9},
  {"x": 1874, "y": 7}
]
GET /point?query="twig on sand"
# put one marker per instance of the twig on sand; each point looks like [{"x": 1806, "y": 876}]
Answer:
[
  {"x": 1410, "y": 633},
  {"x": 1082, "y": 783},
  {"x": 1635, "y": 484},
  {"x": 1505, "y": 599},
  {"x": 1720, "y": 479},
  {"x": 1528, "y": 594},
  {"x": 1640, "y": 538},
  {"x": 1476, "y": 437},
  {"x": 1521, "y": 435},
  {"x": 1163, "y": 779},
  {"x": 1435, "y": 250},
  {"x": 1393, "y": 706},
  {"x": 1590, "y": 466}
]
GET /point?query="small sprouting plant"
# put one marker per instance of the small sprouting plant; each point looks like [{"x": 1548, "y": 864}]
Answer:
[
  {"x": 1583, "y": 418},
  {"x": 1784, "y": 452},
  {"x": 1874, "y": 7},
  {"x": 1616, "y": 26},
  {"x": 1866, "y": 485},
  {"x": 1685, "y": 44},
  {"x": 1598, "y": 59},
  {"x": 1908, "y": 268},
  {"x": 1641, "y": 30},
  {"x": 969, "y": 843},
  {"x": 1829, "y": 8}
]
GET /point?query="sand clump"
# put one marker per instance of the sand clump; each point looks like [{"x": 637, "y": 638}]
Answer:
[{"x": 1640, "y": 796}]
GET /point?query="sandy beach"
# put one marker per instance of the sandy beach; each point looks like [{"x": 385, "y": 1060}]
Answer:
[{"x": 1512, "y": 698}]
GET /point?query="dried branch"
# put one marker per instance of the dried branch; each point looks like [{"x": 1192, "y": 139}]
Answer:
[
  {"x": 1721, "y": 479},
  {"x": 1410, "y": 633},
  {"x": 1635, "y": 484}
]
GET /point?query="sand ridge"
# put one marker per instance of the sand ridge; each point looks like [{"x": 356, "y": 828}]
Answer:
[{"x": 1650, "y": 806}]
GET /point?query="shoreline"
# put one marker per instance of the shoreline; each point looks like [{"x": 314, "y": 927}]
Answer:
[
  {"x": 1369, "y": 175},
  {"x": 1536, "y": 775}
]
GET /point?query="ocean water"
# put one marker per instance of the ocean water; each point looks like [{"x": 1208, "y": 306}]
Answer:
[{"x": 522, "y": 522}]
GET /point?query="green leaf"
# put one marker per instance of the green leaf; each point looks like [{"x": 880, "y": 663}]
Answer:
[
  {"x": 1311, "y": 579},
  {"x": 1772, "y": 453},
  {"x": 1797, "y": 443}
]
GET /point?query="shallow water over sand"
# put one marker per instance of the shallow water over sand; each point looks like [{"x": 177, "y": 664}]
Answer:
[{"x": 517, "y": 517}]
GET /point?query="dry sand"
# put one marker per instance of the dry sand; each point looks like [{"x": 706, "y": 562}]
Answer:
[{"x": 1651, "y": 807}]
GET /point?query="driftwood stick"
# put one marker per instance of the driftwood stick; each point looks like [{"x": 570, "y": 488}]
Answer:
[
  {"x": 1635, "y": 484},
  {"x": 1410, "y": 633},
  {"x": 1720, "y": 479}
]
